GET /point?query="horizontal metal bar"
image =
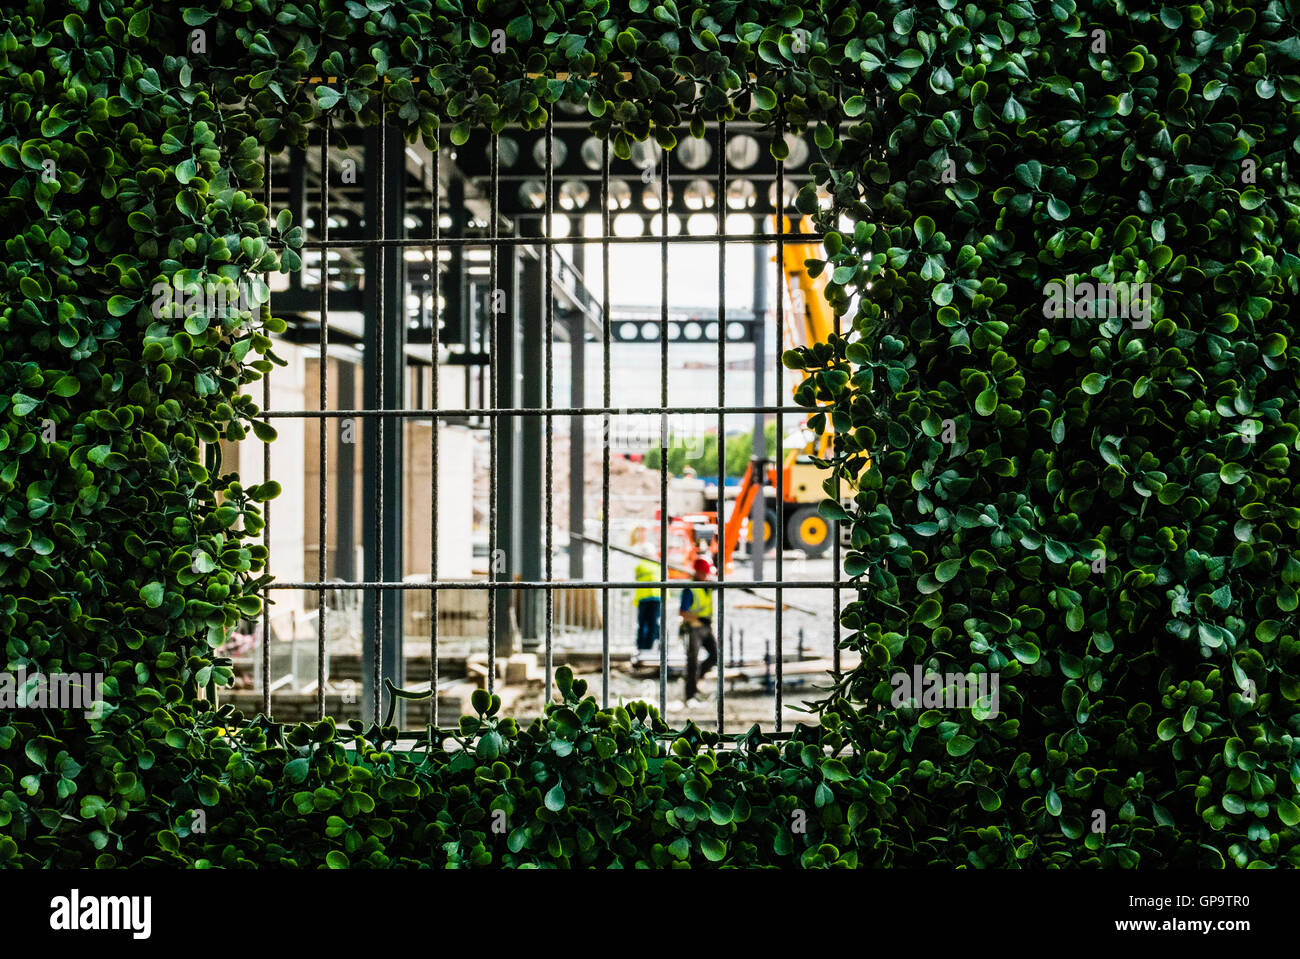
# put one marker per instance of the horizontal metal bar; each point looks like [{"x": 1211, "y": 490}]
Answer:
[
  {"x": 563, "y": 584},
  {"x": 538, "y": 411},
  {"x": 725, "y": 740},
  {"x": 422, "y": 243}
]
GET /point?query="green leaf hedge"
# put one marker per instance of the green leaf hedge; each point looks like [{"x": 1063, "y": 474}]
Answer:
[
  {"x": 979, "y": 153},
  {"x": 1101, "y": 509}
]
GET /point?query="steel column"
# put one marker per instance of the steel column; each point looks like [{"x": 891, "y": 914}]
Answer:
[
  {"x": 505, "y": 340},
  {"x": 577, "y": 442},
  {"x": 384, "y": 388}
]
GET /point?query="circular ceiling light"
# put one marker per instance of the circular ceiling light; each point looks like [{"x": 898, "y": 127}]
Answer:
[
  {"x": 559, "y": 150},
  {"x": 742, "y": 151},
  {"x": 592, "y": 153},
  {"x": 646, "y": 153},
  {"x": 788, "y": 195},
  {"x": 701, "y": 224},
  {"x": 532, "y": 194},
  {"x": 507, "y": 151},
  {"x": 693, "y": 154},
  {"x": 741, "y": 194},
  {"x": 574, "y": 195},
  {"x": 699, "y": 195},
  {"x": 628, "y": 224},
  {"x": 798, "y": 148},
  {"x": 650, "y": 196},
  {"x": 620, "y": 195}
]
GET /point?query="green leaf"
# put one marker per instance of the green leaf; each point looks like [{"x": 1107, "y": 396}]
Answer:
[
  {"x": 714, "y": 849},
  {"x": 1056, "y": 551},
  {"x": 960, "y": 745},
  {"x": 152, "y": 595},
  {"x": 1288, "y": 812},
  {"x": 946, "y": 570},
  {"x": 555, "y": 798},
  {"x": 119, "y": 305},
  {"x": 1232, "y": 473}
]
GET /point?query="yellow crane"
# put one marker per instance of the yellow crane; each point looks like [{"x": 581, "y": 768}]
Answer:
[{"x": 808, "y": 320}]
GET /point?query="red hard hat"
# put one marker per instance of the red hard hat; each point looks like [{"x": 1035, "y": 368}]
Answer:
[{"x": 703, "y": 567}]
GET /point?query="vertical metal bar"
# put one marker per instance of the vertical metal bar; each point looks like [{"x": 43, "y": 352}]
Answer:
[
  {"x": 549, "y": 321},
  {"x": 721, "y": 555},
  {"x": 518, "y": 489},
  {"x": 492, "y": 426},
  {"x": 663, "y": 445},
  {"x": 266, "y": 507},
  {"x": 758, "y": 514},
  {"x": 835, "y": 528},
  {"x": 780, "y": 426},
  {"x": 323, "y": 437},
  {"x": 458, "y": 325},
  {"x": 434, "y": 404},
  {"x": 577, "y": 429},
  {"x": 380, "y": 404},
  {"x": 606, "y": 227}
]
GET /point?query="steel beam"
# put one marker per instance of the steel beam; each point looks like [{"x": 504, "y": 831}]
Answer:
[
  {"x": 532, "y": 394},
  {"x": 386, "y": 324},
  {"x": 504, "y": 567}
]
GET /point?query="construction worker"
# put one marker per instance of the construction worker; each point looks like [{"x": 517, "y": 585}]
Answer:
[
  {"x": 647, "y": 603},
  {"x": 697, "y": 626}
]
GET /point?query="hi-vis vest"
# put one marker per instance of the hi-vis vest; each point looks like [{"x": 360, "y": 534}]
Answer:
[
  {"x": 701, "y": 601},
  {"x": 647, "y": 572}
]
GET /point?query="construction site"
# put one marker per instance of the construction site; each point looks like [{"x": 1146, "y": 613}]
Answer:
[{"x": 521, "y": 378}]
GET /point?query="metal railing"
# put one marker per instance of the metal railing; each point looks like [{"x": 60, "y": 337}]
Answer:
[{"x": 558, "y": 593}]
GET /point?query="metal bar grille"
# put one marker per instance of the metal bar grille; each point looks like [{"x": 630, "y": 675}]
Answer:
[{"x": 497, "y": 411}]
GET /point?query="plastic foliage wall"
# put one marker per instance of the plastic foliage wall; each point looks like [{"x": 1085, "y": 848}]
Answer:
[{"x": 1098, "y": 511}]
